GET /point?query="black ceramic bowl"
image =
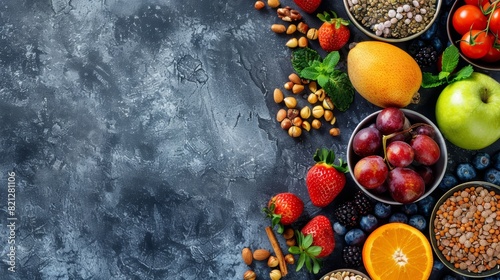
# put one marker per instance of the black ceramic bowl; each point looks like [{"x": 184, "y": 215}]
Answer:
[
  {"x": 454, "y": 38},
  {"x": 439, "y": 168},
  {"x": 432, "y": 227}
]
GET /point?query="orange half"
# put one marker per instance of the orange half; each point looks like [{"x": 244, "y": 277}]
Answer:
[{"x": 397, "y": 251}]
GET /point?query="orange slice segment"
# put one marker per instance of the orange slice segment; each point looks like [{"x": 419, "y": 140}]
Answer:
[{"x": 397, "y": 251}]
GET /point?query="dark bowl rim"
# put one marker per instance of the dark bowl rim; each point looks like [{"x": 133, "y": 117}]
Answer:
[
  {"x": 441, "y": 143},
  {"x": 360, "y": 273},
  {"x": 372, "y": 35},
  {"x": 432, "y": 240},
  {"x": 453, "y": 37}
]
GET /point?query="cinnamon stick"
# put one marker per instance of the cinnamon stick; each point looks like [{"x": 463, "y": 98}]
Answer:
[{"x": 277, "y": 250}]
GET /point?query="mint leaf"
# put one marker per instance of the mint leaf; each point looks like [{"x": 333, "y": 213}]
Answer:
[
  {"x": 443, "y": 75},
  {"x": 322, "y": 80},
  {"x": 463, "y": 73},
  {"x": 303, "y": 57},
  {"x": 340, "y": 90},
  {"x": 430, "y": 81},
  {"x": 331, "y": 60},
  {"x": 450, "y": 59},
  {"x": 310, "y": 73}
]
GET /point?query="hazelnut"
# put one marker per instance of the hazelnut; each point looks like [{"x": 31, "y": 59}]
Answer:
[
  {"x": 288, "y": 233},
  {"x": 273, "y": 3},
  {"x": 286, "y": 124},
  {"x": 292, "y": 43},
  {"x": 288, "y": 85},
  {"x": 312, "y": 98},
  {"x": 313, "y": 86},
  {"x": 328, "y": 104},
  {"x": 249, "y": 275},
  {"x": 259, "y": 5},
  {"x": 312, "y": 34},
  {"x": 272, "y": 261},
  {"x": 335, "y": 131},
  {"x": 275, "y": 274},
  {"x": 303, "y": 42},
  {"x": 302, "y": 27},
  {"x": 290, "y": 242},
  {"x": 321, "y": 94},
  {"x": 318, "y": 111},
  {"x": 278, "y": 95},
  {"x": 289, "y": 259},
  {"x": 292, "y": 113},
  {"x": 328, "y": 115},
  {"x": 294, "y": 131},
  {"x": 306, "y": 125},
  {"x": 305, "y": 112},
  {"x": 290, "y": 102},
  {"x": 316, "y": 124},
  {"x": 291, "y": 29},
  {"x": 281, "y": 115},
  {"x": 297, "y": 121}
]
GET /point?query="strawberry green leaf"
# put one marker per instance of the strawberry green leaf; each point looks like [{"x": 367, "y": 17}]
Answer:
[
  {"x": 307, "y": 253},
  {"x": 275, "y": 218},
  {"x": 316, "y": 266},
  {"x": 308, "y": 240},
  {"x": 300, "y": 262},
  {"x": 314, "y": 250},
  {"x": 326, "y": 156}
]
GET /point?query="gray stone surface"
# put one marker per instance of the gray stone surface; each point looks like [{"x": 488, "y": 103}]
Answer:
[{"x": 143, "y": 139}]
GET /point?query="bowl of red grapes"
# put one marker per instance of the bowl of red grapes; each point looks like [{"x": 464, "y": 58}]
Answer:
[{"x": 397, "y": 156}]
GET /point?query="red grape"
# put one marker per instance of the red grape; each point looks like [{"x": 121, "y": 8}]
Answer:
[
  {"x": 367, "y": 141},
  {"x": 427, "y": 151},
  {"x": 405, "y": 185},
  {"x": 426, "y": 130},
  {"x": 390, "y": 120},
  {"x": 399, "y": 154},
  {"x": 371, "y": 171}
]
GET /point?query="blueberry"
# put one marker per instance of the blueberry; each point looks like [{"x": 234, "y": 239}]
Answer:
[
  {"x": 430, "y": 33},
  {"x": 449, "y": 180},
  {"x": 425, "y": 205},
  {"x": 398, "y": 217},
  {"x": 495, "y": 160},
  {"x": 418, "y": 221},
  {"x": 355, "y": 236},
  {"x": 368, "y": 223},
  {"x": 437, "y": 266},
  {"x": 481, "y": 161},
  {"x": 409, "y": 209},
  {"x": 339, "y": 228},
  {"x": 382, "y": 210},
  {"x": 492, "y": 175},
  {"x": 437, "y": 44},
  {"x": 465, "y": 172}
]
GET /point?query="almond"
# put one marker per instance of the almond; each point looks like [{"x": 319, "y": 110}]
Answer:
[
  {"x": 246, "y": 255},
  {"x": 261, "y": 254}
]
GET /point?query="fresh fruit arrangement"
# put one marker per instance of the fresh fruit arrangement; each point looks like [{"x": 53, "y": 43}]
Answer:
[
  {"x": 478, "y": 24},
  {"x": 395, "y": 156}
]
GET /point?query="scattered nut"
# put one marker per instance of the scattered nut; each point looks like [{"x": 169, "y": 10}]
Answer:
[
  {"x": 328, "y": 115},
  {"x": 312, "y": 34},
  {"x": 288, "y": 85},
  {"x": 288, "y": 14},
  {"x": 281, "y": 115},
  {"x": 306, "y": 125},
  {"x": 249, "y": 275},
  {"x": 261, "y": 254},
  {"x": 278, "y": 28},
  {"x": 272, "y": 261},
  {"x": 291, "y": 29},
  {"x": 302, "y": 27},
  {"x": 318, "y": 111},
  {"x": 292, "y": 113},
  {"x": 290, "y": 102},
  {"x": 333, "y": 121},
  {"x": 289, "y": 259},
  {"x": 292, "y": 43},
  {"x": 275, "y": 274},
  {"x": 278, "y": 95},
  {"x": 312, "y": 98},
  {"x": 297, "y": 121},
  {"x": 259, "y": 5},
  {"x": 335, "y": 131},
  {"x": 288, "y": 233},
  {"x": 286, "y": 124},
  {"x": 246, "y": 255},
  {"x": 294, "y": 78},
  {"x": 313, "y": 86},
  {"x": 294, "y": 131},
  {"x": 321, "y": 94},
  {"x": 316, "y": 124},
  {"x": 297, "y": 88},
  {"x": 305, "y": 112},
  {"x": 273, "y": 3},
  {"x": 303, "y": 42},
  {"x": 290, "y": 242},
  {"x": 328, "y": 104}
]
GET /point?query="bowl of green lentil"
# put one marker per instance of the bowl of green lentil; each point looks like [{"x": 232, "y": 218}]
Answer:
[
  {"x": 393, "y": 21},
  {"x": 464, "y": 229}
]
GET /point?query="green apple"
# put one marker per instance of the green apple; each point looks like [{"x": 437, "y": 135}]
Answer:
[{"x": 468, "y": 112}]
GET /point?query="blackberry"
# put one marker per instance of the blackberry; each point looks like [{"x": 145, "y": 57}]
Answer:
[
  {"x": 352, "y": 256},
  {"x": 426, "y": 56},
  {"x": 363, "y": 203},
  {"x": 347, "y": 214}
]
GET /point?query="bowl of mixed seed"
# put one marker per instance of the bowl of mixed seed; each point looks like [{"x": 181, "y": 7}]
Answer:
[{"x": 393, "y": 21}]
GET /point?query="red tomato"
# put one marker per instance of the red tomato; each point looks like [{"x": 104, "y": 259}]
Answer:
[
  {"x": 476, "y": 44},
  {"x": 476, "y": 2},
  {"x": 493, "y": 54},
  {"x": 494, "y": 17},
  {"x": 468, "y": 17}
]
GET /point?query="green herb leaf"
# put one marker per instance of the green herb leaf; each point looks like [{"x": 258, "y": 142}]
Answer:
[
  {"x": 314, "y": 250},
  {"x": 450, "y": 59},
  {"x": 340, "y": 90},
  {"x": 463, "y": 73},
  {"x": 430, "y": 81},
  {"x": 301, "y": 261},
  {"x": 294, "y": 250},
  {"x": 308, "y": 240},
  {"x": 316, "y": 266},
  {"x": 331, "y": 60},
  {"x": 303, "y": 57},
  {"x": 310, "y": 73}
]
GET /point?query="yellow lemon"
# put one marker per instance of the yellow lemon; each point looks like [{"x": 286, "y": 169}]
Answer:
[{"x": 383, "y": 74}]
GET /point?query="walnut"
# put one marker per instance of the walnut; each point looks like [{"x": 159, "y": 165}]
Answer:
[{"x": 289, "y": 14}]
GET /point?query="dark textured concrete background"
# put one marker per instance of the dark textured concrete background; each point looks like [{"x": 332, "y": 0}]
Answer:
[{"x": 143, "y": 140}]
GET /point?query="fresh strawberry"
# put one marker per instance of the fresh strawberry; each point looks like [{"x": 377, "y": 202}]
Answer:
[
  {"x": 315, "y": 240},
  {"x": 284, "y": 209},
  {"x": 325, "y": 180},
  {"x": 333, "y": 34},
  {"x": 308, "y": 6}
]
